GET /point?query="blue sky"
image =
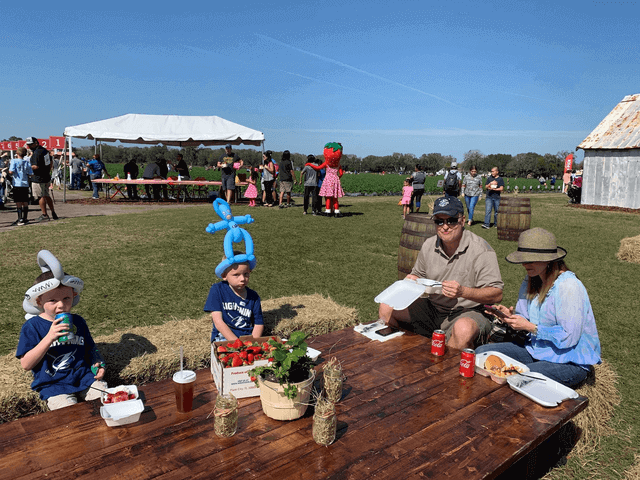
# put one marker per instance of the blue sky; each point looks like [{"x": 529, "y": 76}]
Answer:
[{"x": 377, "y": 76}]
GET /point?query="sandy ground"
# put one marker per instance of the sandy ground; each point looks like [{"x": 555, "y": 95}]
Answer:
[{"x": 80, "y": 204}]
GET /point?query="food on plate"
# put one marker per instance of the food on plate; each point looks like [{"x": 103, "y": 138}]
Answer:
[
  {"x": 119, "y": 396},
  {"x": 493, "y": 362},
  {"x": 496, "y": 366}
]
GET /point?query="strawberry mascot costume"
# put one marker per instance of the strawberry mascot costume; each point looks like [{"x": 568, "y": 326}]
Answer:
[{"x": 331, "y": 188}]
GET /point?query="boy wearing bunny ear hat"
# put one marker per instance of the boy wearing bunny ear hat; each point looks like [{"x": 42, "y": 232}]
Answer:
[{"x": 64, "y": 359}]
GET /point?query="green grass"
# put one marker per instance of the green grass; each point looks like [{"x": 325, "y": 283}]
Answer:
[{"x": 146, "y": 268}]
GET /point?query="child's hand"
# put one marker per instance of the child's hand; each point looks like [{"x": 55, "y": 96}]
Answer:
[
  {"x": 57, "y": 330},
  {"x": 100, "y": 374}
]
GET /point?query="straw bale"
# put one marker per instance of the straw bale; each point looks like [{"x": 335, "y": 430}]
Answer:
[
  {"x": 629, "y": 250},
  {"x": 593, "y": 422},
  {"x": 146, "y": 354},
  {"x": 634, "y": 472}
]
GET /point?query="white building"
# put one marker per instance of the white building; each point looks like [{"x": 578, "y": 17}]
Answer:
[{"x": 611, "y": 168}]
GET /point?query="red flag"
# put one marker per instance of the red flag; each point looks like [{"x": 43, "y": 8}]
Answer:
[{"x": 568, "y": 163}]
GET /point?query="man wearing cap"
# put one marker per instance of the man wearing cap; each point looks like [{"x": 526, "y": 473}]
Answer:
[
  {"x": 41, "y": 164},
  {"x": 453, "y": 186},
  {"x": 228, "y": 163},
  {"x": 467, "y": 267}
]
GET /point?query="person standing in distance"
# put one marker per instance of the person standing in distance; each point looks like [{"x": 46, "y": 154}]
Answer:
[
  {"x": 494, "y": 186},
  {"x": 41, "y": 164}
]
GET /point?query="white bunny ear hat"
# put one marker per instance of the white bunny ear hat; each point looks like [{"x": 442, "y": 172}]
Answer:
[{"x": 48, "y": 262}]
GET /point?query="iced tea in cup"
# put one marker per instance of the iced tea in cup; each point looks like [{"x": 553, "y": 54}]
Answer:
[{"x": 183, "y": 383}]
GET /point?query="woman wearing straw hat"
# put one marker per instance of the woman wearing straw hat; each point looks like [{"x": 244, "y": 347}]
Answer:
[{"x": 554, "y": 308}]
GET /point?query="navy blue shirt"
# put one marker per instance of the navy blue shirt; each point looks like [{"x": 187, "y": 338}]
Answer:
[
  {"x": 66, "y": 367},
  {"x": 239, "y": 314}
]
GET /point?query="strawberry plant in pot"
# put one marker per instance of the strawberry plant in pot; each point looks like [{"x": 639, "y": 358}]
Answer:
[{"x": 285, "y": 383}]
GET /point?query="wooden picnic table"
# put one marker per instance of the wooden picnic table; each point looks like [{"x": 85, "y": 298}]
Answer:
[{"x": 404, "y": 414}]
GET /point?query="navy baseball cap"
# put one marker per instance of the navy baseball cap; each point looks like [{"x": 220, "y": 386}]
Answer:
[{"x": 448, "y": 205}]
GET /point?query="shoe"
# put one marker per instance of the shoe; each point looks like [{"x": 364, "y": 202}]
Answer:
[
  {"x": 315, "y": 214},
  {"x": 95, "y": 198},
  {"x": 304, "y": 213},
  {"x": 42, "y": 218},
  {"x": 281, "y": 205},
  {"x": 469, "y": 223},
  {"x": 484, "y": 225},
  {"x": 21, "y": 222},
  {"x": 16, "y": 222},
  {"x": 54, "y": 216}
]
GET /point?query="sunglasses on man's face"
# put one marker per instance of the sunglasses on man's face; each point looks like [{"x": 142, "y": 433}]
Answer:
[{"x": 451, "y": 221}]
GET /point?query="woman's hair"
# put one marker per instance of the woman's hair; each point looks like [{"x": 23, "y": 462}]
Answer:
[
  {"x": 268, "y": 154},
  {"x": 537, "y": 287},
  {"x": 286, "y": 155}
]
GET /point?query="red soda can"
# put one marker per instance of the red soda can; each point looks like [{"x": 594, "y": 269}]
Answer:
[
  {"x": 437, "y": 343},
  {"x": 468, "y": 362}
]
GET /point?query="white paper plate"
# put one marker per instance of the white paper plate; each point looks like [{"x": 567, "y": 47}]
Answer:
[
  {"x": 547, "y": 393},
  {"x": 122, "y": 413},
  {"x": 401, "y": 294}
]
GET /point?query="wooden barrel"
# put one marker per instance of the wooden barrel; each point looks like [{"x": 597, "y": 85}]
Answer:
[
  {"x": 514, "y": 217},
  {"x": 416, "y": 229}
]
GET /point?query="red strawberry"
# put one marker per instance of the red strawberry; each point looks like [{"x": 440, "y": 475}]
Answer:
[
  {"x": 243, "y": 355},
  {"x": 224, "y": 358},
  {"x": 332, "y": 153},
  {"x": 237, "y": 362},
  {"x": 248, "y": 343},
  {"x": 250, "y": 358},
  {"x": 253, "y": 379},
  {"x": 222, "y": 349},
  {"x": 237, "y": 344}
]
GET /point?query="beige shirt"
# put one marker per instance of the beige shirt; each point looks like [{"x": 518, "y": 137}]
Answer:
[{"x": 474, "y": 264}]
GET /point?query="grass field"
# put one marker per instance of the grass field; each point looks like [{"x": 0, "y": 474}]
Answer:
[{"x": 146, "y": 268}]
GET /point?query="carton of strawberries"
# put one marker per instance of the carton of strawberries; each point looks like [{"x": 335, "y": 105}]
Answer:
[{"x": 230, "y": 362}]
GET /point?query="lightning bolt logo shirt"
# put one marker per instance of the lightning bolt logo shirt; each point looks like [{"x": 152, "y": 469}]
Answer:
[
  {"x": 66, "y": 367},
  {"x": 240, "y": 314}
]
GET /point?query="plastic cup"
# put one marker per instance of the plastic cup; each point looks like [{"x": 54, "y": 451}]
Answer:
[{"x": 184, "y": 382}]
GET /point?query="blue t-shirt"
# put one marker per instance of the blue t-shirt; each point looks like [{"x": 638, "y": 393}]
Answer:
[
  {"x": 239, "y": 314},
  {"x": 95, "y": 166},
  {"x": 21, "y": 169},
  {"x": 66, "y": 367}
]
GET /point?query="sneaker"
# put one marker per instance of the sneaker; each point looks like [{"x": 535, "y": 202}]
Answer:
[
  {"x": 95, "y": 198},
  {"x": 281, "y": 205},
  {"x": 484, "y": 225},
  {"x": 21, "y": 222},
  {"x": 54, "y": 216},
  {"x": 315, "y": 214},
  {"x": 304, "y": 213},
  {"x": 42, "y": 218}
]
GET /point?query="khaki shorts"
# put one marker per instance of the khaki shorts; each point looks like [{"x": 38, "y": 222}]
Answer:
[
  {"x": 425, "y": 318},
  {"x": 285, "y": 187},
  {"x": 66, "y": 400},
  {"x": 41, "y": 189}
]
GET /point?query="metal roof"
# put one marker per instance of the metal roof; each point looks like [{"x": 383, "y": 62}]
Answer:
[{"x": 619, "y": 130}]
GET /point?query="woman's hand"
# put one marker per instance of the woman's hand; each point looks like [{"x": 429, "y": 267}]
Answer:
[{"x": 518, "y": 322}]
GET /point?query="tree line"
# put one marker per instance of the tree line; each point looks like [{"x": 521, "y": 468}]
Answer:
[{"x": 520, "y": 165}]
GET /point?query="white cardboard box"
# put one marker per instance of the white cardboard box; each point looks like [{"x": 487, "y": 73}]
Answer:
[{"x": 235, "y": 379}]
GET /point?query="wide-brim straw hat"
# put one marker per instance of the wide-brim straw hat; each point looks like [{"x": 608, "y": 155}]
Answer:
[{"x": 536, "y": 245}]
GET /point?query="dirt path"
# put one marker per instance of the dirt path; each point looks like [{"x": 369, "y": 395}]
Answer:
[{"x": 80, "y": 204}]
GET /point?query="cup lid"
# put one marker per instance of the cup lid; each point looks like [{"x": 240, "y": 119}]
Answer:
[{"x": 184, "y": 376}]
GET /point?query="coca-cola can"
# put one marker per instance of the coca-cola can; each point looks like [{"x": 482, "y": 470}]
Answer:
[
  {"x": 437, "y": 343},
  {"x": 468, "y": 362}
]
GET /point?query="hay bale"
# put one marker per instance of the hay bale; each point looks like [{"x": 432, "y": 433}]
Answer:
[
  {"x": 629, "y": 250},
  {"x": 592, "y": 422},
  {"x": 148, "y": 354},
  {"x": 634, "y": 472}
]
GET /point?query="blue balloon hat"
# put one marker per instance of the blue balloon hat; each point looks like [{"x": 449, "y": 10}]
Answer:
[{"x": 235, "y": 234}]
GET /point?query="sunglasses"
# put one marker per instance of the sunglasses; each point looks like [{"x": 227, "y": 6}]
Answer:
[{"x": 449, "y": 221}]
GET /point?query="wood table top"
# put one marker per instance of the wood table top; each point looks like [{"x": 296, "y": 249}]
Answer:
[{"x": 404, "y": 414}]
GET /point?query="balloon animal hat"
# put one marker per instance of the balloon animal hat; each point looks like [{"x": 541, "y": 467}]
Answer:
[
  {"x": 49, "y": 263},
  {"x": 235, "y": 234}
]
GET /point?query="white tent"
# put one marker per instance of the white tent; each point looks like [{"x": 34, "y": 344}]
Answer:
[{"x": 175, "y": 130}]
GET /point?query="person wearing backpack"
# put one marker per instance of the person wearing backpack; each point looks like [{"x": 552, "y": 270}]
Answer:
[
  {"x": 418, "y": 177},
  {"x": 453, "y": 181}
]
